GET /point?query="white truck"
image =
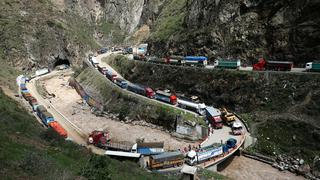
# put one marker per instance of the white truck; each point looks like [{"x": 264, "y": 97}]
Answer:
[
  {"x": 204, "y": 154},
  {"x": 41, "y": 72},
  {"x": 197, "y": 107}
]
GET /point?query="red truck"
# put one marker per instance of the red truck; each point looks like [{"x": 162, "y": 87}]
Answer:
[
  {"x": 213, "y": 115},
  {"x": 99, "y": 138},
  {"x": 144, "y": 91},
  {"x": 264, "y": 65},
  {"x": 111, "y": 76}
]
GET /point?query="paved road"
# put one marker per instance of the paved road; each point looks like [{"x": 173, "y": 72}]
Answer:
[{"x": 74, "y": 133}]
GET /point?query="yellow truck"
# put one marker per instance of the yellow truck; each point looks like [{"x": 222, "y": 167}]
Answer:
[{"x": 227, "y": 117}]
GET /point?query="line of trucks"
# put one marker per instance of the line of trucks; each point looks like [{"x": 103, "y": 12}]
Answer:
[
  {"x": 158, "y": 158},
  {"x": 45, "y": 116},
  {"x": 202, "y": 61},
  {"x": 214, "y": 116}
]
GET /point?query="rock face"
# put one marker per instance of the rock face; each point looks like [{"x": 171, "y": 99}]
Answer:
[{"x": 250, "y": 28}]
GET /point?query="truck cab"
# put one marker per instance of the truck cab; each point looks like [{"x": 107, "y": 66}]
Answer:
[
  {"x": 228, "y": 117},
  {"x": 237, "y": 128},
  {"x": 121, "y": 83},
  {"x": 191, "y": 158}
]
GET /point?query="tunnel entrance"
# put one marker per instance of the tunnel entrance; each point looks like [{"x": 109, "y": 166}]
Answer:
[{"x": 61, "y": 63}]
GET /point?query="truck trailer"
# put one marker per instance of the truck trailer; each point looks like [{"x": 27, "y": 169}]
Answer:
[
  {"x": 144, "y": 91},
  {"x": 58, "y": 128},
  {"x": 313, "y": 67},
  {"x": 187, "y": 104},
  {"x": 264, "y": 65},
  {"x": 166, "y": 97},
  {"x": 167, "y": 159},
  {"x": 204, "y": 154},
  {"x": 110, "y": 75},
  {"x": 213, "y": 116},
  {"x": 227, "y": 64},
  {"x": 196, "y": 60},
  {"x": 149, "y": 148},
  {"x": 102, "y": 70}
]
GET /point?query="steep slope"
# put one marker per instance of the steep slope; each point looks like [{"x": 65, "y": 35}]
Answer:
[
  {"x": 28, "y": 151},
  {"x": 245, "y": 29}
]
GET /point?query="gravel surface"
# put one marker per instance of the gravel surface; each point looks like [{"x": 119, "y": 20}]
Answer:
[{"x": 68, "y": 102}]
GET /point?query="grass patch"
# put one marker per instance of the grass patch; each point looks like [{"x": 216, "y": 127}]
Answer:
[
  {"x": 206, "y": 174},
  {"x": 170, "y": 21}
]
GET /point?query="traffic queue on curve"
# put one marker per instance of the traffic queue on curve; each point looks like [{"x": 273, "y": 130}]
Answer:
[
  {"x": 46, "y": 117},
  {"x": 161, "y": 159}
]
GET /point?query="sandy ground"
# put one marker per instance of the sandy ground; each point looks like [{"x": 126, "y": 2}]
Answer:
[
  {"x": 67, "y": 101},
  {"x": 242, "y": 168}
]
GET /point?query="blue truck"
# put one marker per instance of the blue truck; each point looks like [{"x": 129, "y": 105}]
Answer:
[
  {"x": 196, "y": 60},
  {"x": 121, "y": 83}
]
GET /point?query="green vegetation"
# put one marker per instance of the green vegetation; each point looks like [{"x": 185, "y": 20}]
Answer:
[
  {"x": 112, "y": 30},
  {"x": 170, "y": 21},
  {"x": 206, "y": 174},
  {"x": 28, "y": 151}
]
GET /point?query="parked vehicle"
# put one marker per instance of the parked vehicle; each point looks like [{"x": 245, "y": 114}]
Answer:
[
  {"x": 102, "y": 70},
  {"x": 102, "y": 140},
  {"x": 144, "y": 91},
  {"x": 213, "y": 116},
  {"x": 98, "y": 138},
  {"x": 155, "y": 59},
  {"x": 264, "y": 65},
  {"x": 58, "y": 128},
  {"x": 166, "y": 97},
  {"x": 167, "y": 159},
  {"x": 204, "y": 154},
  {"x": 196, "y": 60},
  {"x": 188, "y": 104},
  {"x": 33, "y": 102},
  {"x": 149, "y": 148},
  {"x": 175, "y": 60},
  {"x": 102, "y": 50},
  {"x": 25, "y": 94},
  {"x": 236, "y": 128},
  {"x": 313, "y": 67},
  {"x": 121, "y": 83},
  {"x": 227, "y": 64},
  {"x": 123, "y": 155},
  {"x": 230, "y": 143},
  {"x": 94, "y": 62},
  {"x": 110, "y": 75},
  {"x": 228, "y": 117}
]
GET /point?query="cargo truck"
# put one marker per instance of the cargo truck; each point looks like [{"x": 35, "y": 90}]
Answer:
[
  {"x": 175, "y": 60},
  {"x": 230, "y": 143},
  {"x": 58, "y": 128},
  {"x": 23, "y": 86},
  {"x": 121, "y": 83},
  {"x": 102, "y": 70},
  {"x": 236, "y": 128},
  {"x": 196, "y": 60},
  {"x": 187, "y": 104},
  {"x": 144, "y": 91},
  {"x": 148, "y": 148},
  {"x": 110, "y": 75},
  {"x": 204, "y": 154},
  {"x": 166, "y": 97},
  {"x": 227, "y": 64},
  {"x": 264, "y": 65},
  {"x": 213, "y": 116},
  {"x": 228, "y": 117},
  {"x": 313, "y": 67},
  {"x": 165, "y": 160},
  {"x": 33, "y": 103},
  {"x": 157, "y": 60}
]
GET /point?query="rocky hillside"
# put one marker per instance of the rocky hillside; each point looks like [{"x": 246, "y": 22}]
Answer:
[
  {"x": 284, "y": 30},
  {"x": 283, "y": 109}
]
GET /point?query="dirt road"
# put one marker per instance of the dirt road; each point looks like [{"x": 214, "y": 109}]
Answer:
[
  {"x": 73, "y": 134},
  {"x": 242, "y": 168},
  {"x": 68, "y": 102}
]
